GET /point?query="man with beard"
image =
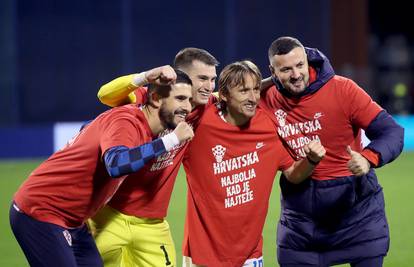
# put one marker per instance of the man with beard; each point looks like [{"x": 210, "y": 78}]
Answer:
[
  {"x": 131, "y": 230},
  {"x": 338, "y": 215},
  {"x": 230, "y": 184},
  {"x": 49, "y": 210}
]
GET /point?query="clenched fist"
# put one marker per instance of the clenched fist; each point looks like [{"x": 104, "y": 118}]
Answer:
[
  {"x": 184, "y": 131},
  {"x": 164, "y": 75},
  {"x": 314, "y": 151}
]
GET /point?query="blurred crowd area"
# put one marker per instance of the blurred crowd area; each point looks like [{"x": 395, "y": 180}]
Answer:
[
  {"x": 55, "y": 55},
  {"x": 388, "y": 75},
  {"x": 392, "y": 62}
]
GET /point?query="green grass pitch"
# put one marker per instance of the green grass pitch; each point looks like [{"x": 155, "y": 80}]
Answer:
[{"x": 395, "y": 178}]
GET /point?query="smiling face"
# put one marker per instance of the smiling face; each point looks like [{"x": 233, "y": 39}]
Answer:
[
  {"x": 291, "y": 70},
  {"x": 203, "y": 77},
  {"x": 242, "y": 100},
  {"x": 176, "y": 106},
  {"x": 239, "y": 91}
]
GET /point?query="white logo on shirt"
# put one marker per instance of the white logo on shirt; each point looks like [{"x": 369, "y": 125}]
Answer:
[
  {"x": 218, "y": 152},
  {"x": 317, "y": 115},
  {"x": 259, "y": 145},
  {"x": 297, "y": 134},
  {"x": 281, "y": 117}
]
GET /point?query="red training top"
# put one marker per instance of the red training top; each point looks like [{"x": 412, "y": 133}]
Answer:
[
  {"x": 147, "y": 192},
  {"x": 73, "y": 184},
  {"x": 332, "y": 115},
  {"x": 230, "y": 173}
]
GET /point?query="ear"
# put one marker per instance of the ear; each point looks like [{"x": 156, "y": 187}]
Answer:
[
  {"x": 272, "y": 70},
  {"x": 156, "y": 99},
  {"x": 222, "y": 95}
]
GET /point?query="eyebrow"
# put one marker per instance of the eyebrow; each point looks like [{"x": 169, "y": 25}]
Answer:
[
  {"x": 206, "y": 76},
  {"x": 182, "y": 96}
]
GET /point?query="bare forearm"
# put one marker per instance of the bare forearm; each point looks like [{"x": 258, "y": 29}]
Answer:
[{"x": 299, "y": 171}]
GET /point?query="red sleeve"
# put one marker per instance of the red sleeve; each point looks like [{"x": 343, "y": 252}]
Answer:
[
  {"x": 119, "y": 130},
  {"x": 141, "y": 94},
  {"x": 359, "y": 105},
  {"x": 372, "y": 156},
  {"x": 286, "y": 159}
]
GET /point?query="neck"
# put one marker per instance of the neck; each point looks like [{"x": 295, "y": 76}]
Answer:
[
  {"x": 154, "y": 122},
  {"x": 195, "y": 105},
  {"x": 235, "y": 120}
]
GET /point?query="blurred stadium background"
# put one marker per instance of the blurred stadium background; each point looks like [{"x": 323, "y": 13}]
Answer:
[{"x": 56, "y": 54}]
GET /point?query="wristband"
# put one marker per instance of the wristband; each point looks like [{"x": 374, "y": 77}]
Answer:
[
  {"x": 170, "y": 140},
  {"x": 139, "y": 79},
  {"x": 312, "y": 161}
]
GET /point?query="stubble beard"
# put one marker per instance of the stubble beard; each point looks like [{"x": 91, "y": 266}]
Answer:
[{"x": 167, "y": 118}]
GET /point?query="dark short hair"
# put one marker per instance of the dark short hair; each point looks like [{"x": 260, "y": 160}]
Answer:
[
  {"x": 233, "y": 75},
  {"x": 283, "y": 45},
  {"x": 182, "y": 77},
  {"x": 164, "y": 90},
  {"x": 186, "y": 56}
]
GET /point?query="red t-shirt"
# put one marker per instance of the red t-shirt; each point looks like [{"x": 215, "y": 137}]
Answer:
[
  {"x": 230, "y": 173},
  {"x": 147, "y": 192},
  {"x": 334, "y": 115},
  {"x": 70, "y": 186}
]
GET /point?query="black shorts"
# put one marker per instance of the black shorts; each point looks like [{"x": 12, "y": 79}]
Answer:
[{"x": 47, "y": 244}]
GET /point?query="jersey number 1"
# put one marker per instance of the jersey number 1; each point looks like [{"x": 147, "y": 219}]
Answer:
[{"x": 167, "y": 259}]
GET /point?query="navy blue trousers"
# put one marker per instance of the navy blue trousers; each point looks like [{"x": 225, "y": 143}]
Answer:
[
  {"x": 330, "y": 222},
  {"x": 45, "y": 244},
  {"x": 368, "y": 262}
]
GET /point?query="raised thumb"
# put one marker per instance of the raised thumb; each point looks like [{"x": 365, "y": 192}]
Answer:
[{"x": 349, "y": 150}]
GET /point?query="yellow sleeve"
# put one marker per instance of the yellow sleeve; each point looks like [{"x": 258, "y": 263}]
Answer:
[{"x": 118, "y": 92}]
